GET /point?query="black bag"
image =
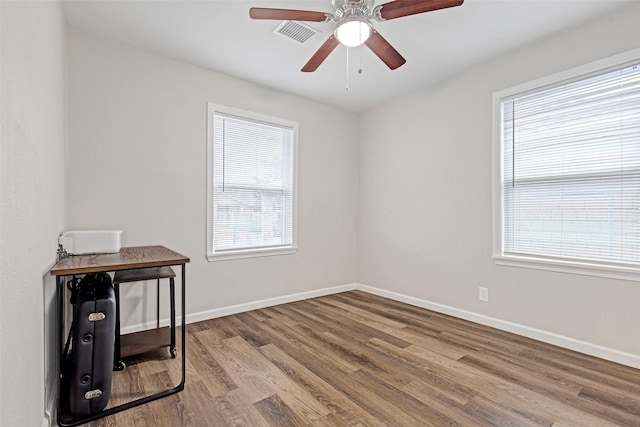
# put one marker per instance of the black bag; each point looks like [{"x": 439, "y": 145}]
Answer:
[{"x": 88, "y": 366}]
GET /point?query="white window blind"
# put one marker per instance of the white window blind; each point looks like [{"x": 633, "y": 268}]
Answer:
[
  {"x": 253, "y": 184},
  {"x": 571, "y": 170}
]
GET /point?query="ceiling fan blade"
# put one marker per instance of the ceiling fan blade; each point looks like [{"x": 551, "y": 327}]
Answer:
[
  {"x": 383, "y": 49},
  {"x": 287, "y": 14},
  {"x": 400, "y": 8},
  {"x": 321, "y": 54}
]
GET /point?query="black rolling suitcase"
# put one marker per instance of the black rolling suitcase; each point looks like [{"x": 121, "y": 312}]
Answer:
[{"x": 89, "y": 363}]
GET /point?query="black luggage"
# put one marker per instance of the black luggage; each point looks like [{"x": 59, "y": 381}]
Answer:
[{"x": 89, "y": 363}]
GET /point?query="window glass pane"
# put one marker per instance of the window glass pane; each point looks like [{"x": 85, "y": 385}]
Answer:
[{"x": 249, "y": 218}]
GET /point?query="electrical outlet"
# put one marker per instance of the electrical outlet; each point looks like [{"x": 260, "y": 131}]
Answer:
[{"x": 483, "y": 294}]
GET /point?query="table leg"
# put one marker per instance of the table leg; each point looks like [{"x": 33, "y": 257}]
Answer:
[
  {"x": 118, "y": 364},
  {"x": 61, "y": 336},
  {"x": 158, "y": 304},
  {"x": 172, "y": 296},
  {"x": 183, "y": 330}
]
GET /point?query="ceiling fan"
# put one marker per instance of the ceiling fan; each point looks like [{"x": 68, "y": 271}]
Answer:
[{"x": 354, "y": 26}]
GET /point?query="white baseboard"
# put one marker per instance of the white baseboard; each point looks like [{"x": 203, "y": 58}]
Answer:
[
  {"x": 241, "y": 308},
  {"x": 270, "y": 302},
  {"x": 606, "y": 353}
]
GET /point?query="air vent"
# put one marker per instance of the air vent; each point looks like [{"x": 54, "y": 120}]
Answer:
[{"x": 295, "y": 31}]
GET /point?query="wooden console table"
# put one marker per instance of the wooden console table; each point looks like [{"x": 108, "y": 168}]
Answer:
[{"x": 127, "y": 259}]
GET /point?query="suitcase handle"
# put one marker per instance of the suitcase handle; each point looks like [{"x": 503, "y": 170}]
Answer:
[{"x": 94, "y": 317}]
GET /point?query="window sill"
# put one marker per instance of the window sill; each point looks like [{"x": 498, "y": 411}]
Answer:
[
  {"x": 250, "y": 253},
  {"x": 571, "y": 267}
]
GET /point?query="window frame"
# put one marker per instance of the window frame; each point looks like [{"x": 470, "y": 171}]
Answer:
[
  {"x": 212, "y": 109},
  {"x": 588, "y": 268}
]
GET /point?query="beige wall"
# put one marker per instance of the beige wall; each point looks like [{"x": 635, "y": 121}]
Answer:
[
  {"x": 138, "y": 141},
  {"x": 32, "y": 203},
  {"x": 137, "y": 162},
  {"x": 425, "y": 199}
]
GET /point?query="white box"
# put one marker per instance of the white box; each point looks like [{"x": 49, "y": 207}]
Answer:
[{"x": 90, "y": 241}]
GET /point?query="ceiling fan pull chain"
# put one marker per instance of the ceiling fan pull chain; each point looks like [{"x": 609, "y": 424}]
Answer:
[{"x": 347, "y": 88}]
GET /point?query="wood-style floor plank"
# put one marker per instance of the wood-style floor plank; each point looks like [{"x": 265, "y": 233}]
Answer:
[
  {"x": 341, "y": 407},
  {"x": 235, "y": 408},
  {"x": 355, "y": 359}
]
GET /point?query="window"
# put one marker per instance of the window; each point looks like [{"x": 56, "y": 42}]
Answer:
[
  {"x": 251, "y": 184},
  {"x": 568, "y": 162}
]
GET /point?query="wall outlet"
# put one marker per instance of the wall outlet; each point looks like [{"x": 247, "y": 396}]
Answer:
[{"x": 483, "y": 294}]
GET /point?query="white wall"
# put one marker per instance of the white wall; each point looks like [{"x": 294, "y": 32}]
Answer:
[
  {"x": 425, "y": 199},
  {"x": 32, "y": 202},
  {"x": 137, "y": 143}
]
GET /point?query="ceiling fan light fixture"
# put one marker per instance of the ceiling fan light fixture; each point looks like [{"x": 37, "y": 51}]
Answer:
[{"x": 353, "y": 32}]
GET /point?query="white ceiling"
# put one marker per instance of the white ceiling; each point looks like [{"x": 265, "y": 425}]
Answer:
[{"x": 219, "y": 35}]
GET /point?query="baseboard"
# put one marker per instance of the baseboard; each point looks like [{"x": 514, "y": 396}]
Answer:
[
  {"x": 606, "y": 353},
  {"x": 241, "y": 308}
]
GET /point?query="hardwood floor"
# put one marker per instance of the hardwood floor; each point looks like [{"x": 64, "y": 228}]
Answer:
[{"x": 354, "y": 359}]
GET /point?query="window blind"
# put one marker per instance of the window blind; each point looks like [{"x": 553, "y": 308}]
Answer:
[
  {"x": 252, "y": 184},
  {"x": 571, "y": 169}
]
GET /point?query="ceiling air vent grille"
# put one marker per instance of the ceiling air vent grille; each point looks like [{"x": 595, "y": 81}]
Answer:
[{"x": 295, "y": 31}]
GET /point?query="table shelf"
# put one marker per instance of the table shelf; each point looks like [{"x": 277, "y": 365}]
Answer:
[{"x": 145, "y": 341}]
